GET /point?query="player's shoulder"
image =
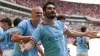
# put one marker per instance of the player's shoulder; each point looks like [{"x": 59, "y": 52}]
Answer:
[
  {"x": 58, "y": 22},
  {"x": 25, "y": 21}
]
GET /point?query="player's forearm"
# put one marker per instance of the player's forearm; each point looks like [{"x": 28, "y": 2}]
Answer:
[
  {"x": 1, "y": 40},
  {"x": 40, "y": 50},
  {"x": 74, "y": 34},
  {"x": 29, "y": 45},
  {"x": 78, "y": 34},
  {"x": 17, "y": 38},
  {"x": 97, "y": 37}
]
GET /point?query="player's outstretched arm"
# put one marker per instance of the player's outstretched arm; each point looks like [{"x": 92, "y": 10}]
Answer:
[
  {"x": 17, "y": 37},
  {"x": 26, "y": 46}
]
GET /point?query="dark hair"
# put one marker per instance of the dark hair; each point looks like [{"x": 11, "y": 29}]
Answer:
[
  {"x": 16, "y": 21},
  {"x": 45, "y": 5},
  {"x": 60, "y": 17},
  {"x": 83, "y": 29},
  {"x": 6, "y": 20}
]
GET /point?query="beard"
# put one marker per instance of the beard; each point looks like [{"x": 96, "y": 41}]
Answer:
[{"x": 50, "y": 15}]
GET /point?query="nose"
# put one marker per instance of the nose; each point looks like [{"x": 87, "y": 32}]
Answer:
[
  {"x": 52, "y": 11},
  {"x": 40, "y": 15}
]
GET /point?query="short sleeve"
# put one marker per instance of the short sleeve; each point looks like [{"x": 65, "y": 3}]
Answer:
[
  {"x": 9, "y": 33},
  {"x": 22, "y": 27},
  {"x": 63, "y": 26},
  {"x": 66, "y": 27}
]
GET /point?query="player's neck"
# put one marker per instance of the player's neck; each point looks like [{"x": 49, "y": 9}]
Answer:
[
  {"x": 34, "y": 23},
  {"x": 48, "y": 21}
]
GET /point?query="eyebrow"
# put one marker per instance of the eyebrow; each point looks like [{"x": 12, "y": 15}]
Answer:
[
  {"x": 51, "y": 7},
  {"x": 39, "y": 12}
]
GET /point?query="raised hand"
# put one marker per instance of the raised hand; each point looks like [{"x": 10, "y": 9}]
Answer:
[
  {"x": 92, "y": 34},
  {"x": 22, "y": 46}
]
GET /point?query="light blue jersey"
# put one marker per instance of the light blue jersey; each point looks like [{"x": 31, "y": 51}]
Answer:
[
  {"x": 1, "y": 34},
  {"x": 26, "y": 29},
  {"x": 8, "y": 35},
  {"x": 65, "y": 42},
  {"x": 52, "y": 38},
  {"x": 3, "y": 38},
  {"x": 81, "y": 44}
]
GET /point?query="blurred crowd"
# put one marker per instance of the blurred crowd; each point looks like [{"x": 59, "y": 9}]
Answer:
[{"x": 65, "y": 7}]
